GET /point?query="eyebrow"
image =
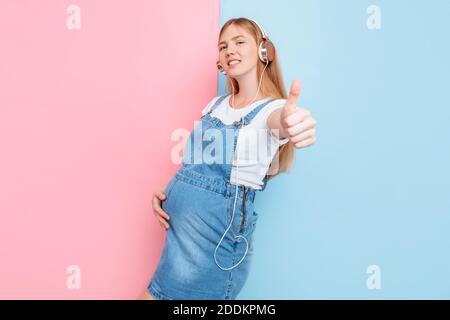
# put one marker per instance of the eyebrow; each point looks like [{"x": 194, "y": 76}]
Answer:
[{"x": 231, "y": 39}]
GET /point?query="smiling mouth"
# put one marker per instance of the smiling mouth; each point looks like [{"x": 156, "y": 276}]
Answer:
[{"x": 233, "y": 62}]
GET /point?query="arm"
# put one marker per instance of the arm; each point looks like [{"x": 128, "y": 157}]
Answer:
[
  {"x": 274, "y": 123},
  {"x": 292, "y": 122}
]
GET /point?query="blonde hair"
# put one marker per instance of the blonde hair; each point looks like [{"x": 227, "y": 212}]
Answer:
[{"x": 272, "y": 86}]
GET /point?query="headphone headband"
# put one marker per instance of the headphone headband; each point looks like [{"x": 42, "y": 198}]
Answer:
[{"x": 264, "y": 35}]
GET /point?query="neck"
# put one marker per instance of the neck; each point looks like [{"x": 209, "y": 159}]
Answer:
[{"x": 248, "y": 86}]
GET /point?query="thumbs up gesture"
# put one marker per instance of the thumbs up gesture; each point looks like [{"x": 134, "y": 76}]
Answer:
[{"x": 298, "y": 122}]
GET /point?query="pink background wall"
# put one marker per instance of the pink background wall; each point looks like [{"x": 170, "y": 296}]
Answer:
[{"x": 85, "y": 122}]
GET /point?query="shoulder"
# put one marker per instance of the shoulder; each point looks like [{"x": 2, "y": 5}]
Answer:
[
  {"x": 276, "y": 103},
  {"x": 211, "y": 103},
  {"x": 271, "y": 107},
  {"x": 263, "y": 116}
]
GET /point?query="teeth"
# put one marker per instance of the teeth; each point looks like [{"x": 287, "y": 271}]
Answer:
[{"x": 234, "y": 62}]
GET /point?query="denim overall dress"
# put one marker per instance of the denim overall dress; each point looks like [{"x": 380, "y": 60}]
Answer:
[{"x": 200, "y": 200}]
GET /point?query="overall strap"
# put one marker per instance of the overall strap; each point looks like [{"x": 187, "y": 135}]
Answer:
[
  {"x": 266, "y": 177},
  {"x": 216, "y": 104},
  {"x": 249, "y": 117}
]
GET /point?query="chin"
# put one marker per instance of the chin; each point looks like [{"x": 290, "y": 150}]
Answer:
[{"x": 236, "y": 73}]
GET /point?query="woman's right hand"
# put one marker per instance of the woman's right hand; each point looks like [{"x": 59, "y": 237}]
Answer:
[{"x": 159, "y": 213}]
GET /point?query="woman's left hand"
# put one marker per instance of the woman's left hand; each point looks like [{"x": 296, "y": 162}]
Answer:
[{"x": 298, "y": 122}]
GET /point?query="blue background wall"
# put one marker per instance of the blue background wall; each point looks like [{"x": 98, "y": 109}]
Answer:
[{"x": 374, "y": 189}]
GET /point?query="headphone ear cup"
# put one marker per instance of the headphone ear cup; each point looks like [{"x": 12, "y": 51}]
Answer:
[{"x": 266, "y": 51}]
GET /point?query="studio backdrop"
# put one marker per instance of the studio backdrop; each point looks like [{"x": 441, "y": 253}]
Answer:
[{"x": 92, "y": 92}]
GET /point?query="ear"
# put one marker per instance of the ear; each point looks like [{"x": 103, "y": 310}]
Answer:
[{"x": 219, "y": 66}]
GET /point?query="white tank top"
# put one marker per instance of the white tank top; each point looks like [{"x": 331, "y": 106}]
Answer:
[{"x": 256, "y": 145}]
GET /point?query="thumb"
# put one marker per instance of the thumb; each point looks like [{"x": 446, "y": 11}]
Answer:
[{"x": 291, "y": 103}]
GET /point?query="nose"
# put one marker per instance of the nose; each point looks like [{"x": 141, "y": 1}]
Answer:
[{"x": 228, "y": 49}]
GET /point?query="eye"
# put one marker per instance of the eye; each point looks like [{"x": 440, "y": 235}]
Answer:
[{"x": 239, "y": 42}]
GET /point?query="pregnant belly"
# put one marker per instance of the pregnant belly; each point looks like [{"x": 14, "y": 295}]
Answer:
[{"x": 195, "y": 209}]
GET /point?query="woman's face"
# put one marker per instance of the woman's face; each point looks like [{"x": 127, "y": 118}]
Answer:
[{"x": 236, "y": 44}]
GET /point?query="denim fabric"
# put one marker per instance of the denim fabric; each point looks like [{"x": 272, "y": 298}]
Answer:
[{"x": 200, "y": 203}]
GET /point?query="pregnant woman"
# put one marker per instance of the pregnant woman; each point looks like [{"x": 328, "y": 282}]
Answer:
[{"x": 209, "y": 201}]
